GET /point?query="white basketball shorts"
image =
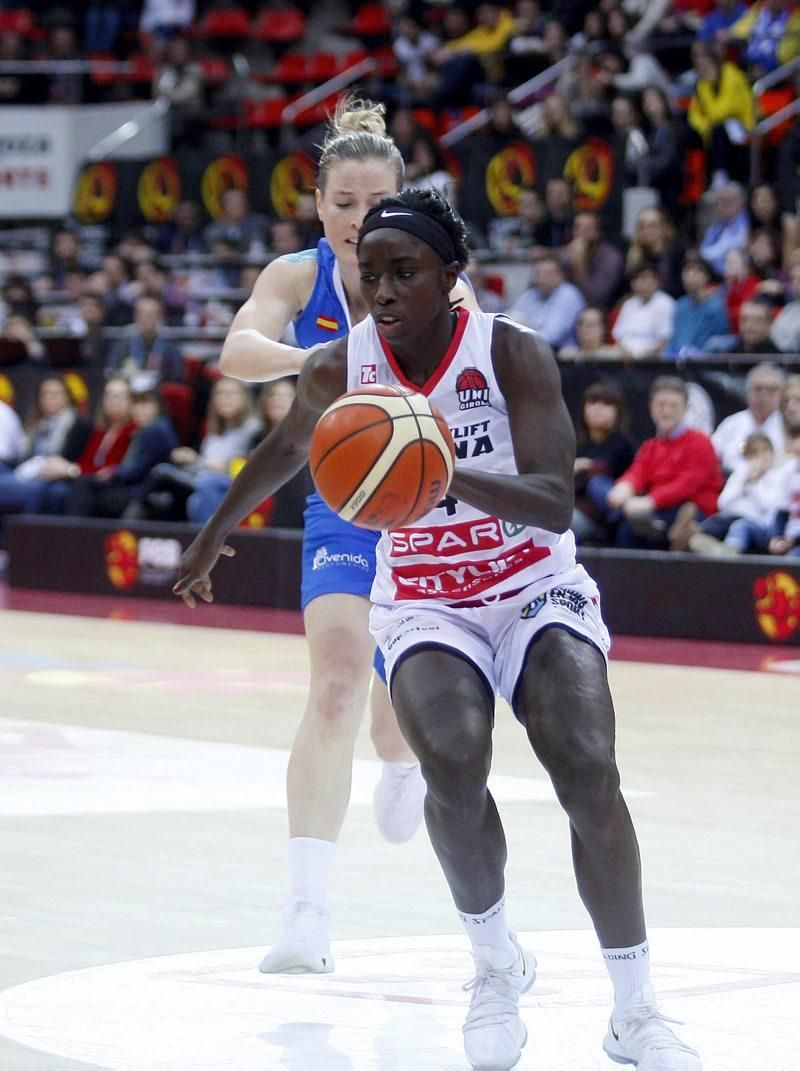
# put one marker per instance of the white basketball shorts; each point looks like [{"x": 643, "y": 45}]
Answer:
[{"x": 494, "y": 636}]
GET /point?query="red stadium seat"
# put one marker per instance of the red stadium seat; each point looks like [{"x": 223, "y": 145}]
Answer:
[
  {"x": 290, "y": 70},
  {"x": 281, "y": 26},
  {"x": 352, "y": 58},
  {"x": 428, "y": 120},
  {"x": 319, "y": 113},
  {"x": 371, "y": 21},
  {"x": 106, "y": 75},
  {"x": 20, "y": 22},
  {"x": 225, "y": 24},
  {"x": 143, "y": 69},
  {"x": 214, "y": 71},
  {"x": 387, "y": 62},
  {"x": 322, "y": 66},
  {"x": 265, "y": 114}
]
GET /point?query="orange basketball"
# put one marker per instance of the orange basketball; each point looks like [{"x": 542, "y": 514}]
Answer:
[{"x": 382, "y": 456}]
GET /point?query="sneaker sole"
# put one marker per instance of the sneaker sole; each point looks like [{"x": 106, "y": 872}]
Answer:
[
  {"x": 505, "y": 1067},
  {"x": 619, "y": 1059},
  {"x": 326, "y": 967}
]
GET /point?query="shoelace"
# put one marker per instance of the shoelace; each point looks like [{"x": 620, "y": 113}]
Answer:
[
  {"x": 652, "y": 1028},
  {"x": 491, "y": 989}
]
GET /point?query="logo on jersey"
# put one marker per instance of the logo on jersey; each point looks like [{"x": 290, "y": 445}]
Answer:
[
  {"x": 511, "y": 529},
  {"x": 472, "y": 389},
  {"x": 327, "y": 323},
  {"x": 322, "y": 559},
  {"x": 533, "y": 608},
  {"x": 369, "y": 374}
]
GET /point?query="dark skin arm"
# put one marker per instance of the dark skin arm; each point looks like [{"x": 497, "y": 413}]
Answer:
[
  {"x": 282, "y": 454},
  {"x": 542, "y": 495}
]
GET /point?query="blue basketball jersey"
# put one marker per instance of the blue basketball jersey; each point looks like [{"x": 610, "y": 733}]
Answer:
[{"x": 325, "y": 316}]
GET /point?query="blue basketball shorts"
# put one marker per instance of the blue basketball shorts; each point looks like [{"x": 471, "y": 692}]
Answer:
[{"x": 338, "y": 559}]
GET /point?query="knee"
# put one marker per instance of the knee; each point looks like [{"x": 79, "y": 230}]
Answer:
[
  {"x": 584, "y": 775},
  {"x": 455, "y": 765}
]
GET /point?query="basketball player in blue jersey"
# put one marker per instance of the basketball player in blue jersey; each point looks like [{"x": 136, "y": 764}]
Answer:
[
  {"x": 317, "y": 292},
  {"x": 482, "y": 595}
]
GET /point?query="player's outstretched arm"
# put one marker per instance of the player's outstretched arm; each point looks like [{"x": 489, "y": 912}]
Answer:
[
  {"x": 542, "y": 494},
  {"x": 251, "y": 350},
  {"x": 282, "y": 454}
]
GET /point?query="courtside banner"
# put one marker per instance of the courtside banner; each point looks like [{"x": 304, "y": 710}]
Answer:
[
  {"x": 140, "y": 558},
  {"x": 751, "y": 600}
]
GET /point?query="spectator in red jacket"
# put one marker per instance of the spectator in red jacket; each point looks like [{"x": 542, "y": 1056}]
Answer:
[
  {"x": 107, "y": 445},
  {"x": 678, "y": 465}
]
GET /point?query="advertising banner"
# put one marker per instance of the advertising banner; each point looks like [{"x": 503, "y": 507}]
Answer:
[
  {"x": 42, "y": 148},
  {"x": 37, "y": 162}
]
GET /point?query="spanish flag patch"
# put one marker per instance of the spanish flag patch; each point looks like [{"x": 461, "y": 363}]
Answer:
[{"x": 327, "y": 324}]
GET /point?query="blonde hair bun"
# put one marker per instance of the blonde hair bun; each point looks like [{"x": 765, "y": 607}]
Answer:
[{"x": 356, "y": 116}]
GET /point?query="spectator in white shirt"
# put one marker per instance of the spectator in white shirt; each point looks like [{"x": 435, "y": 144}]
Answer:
[
  {"x": 413, "y": 48},
  {"x": 644, "y": 325},
  {"x": 762, "y": 391},
  {"x": 748, "y": 504},
  {"x": 551, "y": 305},
  {"x": 12, "y": 437}
]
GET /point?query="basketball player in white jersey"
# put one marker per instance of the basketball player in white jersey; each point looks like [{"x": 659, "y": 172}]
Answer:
[{"x": 482, "y": 595}]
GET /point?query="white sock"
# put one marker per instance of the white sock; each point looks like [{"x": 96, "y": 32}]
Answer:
[
  {"x": 310, "y": 865},
  {"x": 488, "y": 933},
  {"x": 629, "y": 970}
]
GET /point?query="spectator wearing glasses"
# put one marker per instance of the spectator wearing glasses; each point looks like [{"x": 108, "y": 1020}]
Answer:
[{"x": 762, "y": 392}]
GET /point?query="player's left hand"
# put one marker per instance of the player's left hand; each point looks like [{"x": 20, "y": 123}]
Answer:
[{"x": 194, "y": 571}]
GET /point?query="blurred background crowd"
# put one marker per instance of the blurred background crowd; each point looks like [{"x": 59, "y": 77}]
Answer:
[{"x": 694, "y": 102}]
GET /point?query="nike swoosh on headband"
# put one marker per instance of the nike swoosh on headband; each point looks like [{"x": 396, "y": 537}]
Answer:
[{"x": 386, "y": 213}]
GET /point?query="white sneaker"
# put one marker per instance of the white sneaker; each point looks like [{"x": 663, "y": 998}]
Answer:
[
  {"x": 494, "y": 1034},
  {"x": 638, "y": 1034},
  {"x": 398, "y": 801},
  {"x": 304, "y": 943}
]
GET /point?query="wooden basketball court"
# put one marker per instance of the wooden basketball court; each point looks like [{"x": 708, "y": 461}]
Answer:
[{"x": 142, "y": 816}]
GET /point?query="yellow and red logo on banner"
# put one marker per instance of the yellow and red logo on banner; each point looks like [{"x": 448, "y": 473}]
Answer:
[
  {"x": 508, "y": 173},
  {"x": 159, "y": 190},
  {"x": 777, "y": 605},
  {"x": 590, "y": 169},
  {"x": 291, "y": 177},
  {"x": 229, "y": 172},
  {"x": 6, "y": 389},
  {"x": 122, "y": 558},
  {"x": 95, "y": 193}
]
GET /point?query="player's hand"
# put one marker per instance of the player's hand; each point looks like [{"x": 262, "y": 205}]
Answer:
[{"x": 194, "y": 571}]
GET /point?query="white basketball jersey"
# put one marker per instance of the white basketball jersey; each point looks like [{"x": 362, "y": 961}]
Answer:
[{"x": 456, "y": 552}]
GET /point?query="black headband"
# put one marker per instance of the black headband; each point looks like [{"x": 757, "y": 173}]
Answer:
[{"x": 402, "y": 218}]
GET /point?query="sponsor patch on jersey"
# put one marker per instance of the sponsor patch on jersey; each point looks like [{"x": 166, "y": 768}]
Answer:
[
  {"x": 463, "y": 579},
  {"x": 472, "y": 389},
  {"x": 570, "y": 600},
  {"x": 327, "y": 323},
  {"x": 323, "y": 558},
  {"x": 446, "y": 541},
  {"x": 369, "y": 374}
]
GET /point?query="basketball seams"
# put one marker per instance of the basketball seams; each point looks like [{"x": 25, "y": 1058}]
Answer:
[
  {"x": 385, "y": 418},
  {"x": 402, "y": 476},
  {"x": 421, "y": 474}
]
